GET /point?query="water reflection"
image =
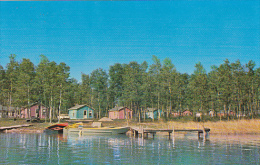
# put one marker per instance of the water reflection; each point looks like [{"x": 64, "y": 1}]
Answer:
[{"x": 73, "y": 149}]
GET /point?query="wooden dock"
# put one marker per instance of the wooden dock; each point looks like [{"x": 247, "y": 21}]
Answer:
[
  {"x": 14, "y": 127},
  {"x": 143, "y": 132}
]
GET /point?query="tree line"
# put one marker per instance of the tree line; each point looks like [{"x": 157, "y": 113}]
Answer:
[{"x": 227, "y": 87}]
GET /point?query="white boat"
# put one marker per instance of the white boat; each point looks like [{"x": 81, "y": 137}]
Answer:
[{"x": 101, "y": 130}]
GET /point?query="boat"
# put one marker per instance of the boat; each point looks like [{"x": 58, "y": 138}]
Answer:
[
  {"x": 79, "y": 129},
  {"x": 56, "y": 127}
]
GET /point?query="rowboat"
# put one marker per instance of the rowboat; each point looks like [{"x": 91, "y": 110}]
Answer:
[
  {"x": 57, "y": 127},
  {"x": 101, "y": 130}
]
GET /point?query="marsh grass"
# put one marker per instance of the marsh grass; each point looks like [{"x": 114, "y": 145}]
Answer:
[
  {"x": 251, "y": 126},
  {"x": 224, "y": 127}
]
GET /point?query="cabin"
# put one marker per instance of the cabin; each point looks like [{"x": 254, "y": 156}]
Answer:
[
  {"x": 81, "y": 112},
  {"x": 198, "y": 114},
  {"x": 153, "y": 113},
  {"x": 175, "y": 114},
  {"x": 36, "y": 110},
  {"x": 120, "y": 113},
  {"x": 3, "y": 111},
  {"x": 13, "y": 112},
  {"x": 231, "y": 113},
  {"x": 9, "y": 112},
  {"x": 186, "y": 113},
  {"x": 221, "y": 113},
  {"x": 212, "y": 113}
]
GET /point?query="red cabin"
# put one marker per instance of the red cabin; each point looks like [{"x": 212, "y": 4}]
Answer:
[
  {"x": 120, "y": 113},
  {"x": 36, "y": 110}
]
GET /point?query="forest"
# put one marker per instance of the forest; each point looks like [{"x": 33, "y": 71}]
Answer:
[{"x": 227, "y": 87}]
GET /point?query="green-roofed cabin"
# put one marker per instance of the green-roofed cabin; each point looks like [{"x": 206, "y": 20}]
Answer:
[{"x": 81, "y": 112}]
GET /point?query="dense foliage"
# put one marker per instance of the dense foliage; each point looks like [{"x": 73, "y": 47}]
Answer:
[{"x": 228, "y": 87}]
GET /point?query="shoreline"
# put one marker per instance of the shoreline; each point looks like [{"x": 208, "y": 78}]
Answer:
[{"x": 238, "y": 127}]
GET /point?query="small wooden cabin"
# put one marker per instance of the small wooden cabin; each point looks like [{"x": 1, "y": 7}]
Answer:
[
  {"x": 153, "y": 113},
  {"x": 36, "y": 110},
  {"x": 3, "y": 111},
  {"x": 186, "y": 113},
  {"x": 211, "y": 113},
  {"x": 81, "y": 112},
  {"x": 120, "y": 113}
]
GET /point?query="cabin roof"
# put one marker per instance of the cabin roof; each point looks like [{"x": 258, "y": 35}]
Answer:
[
  {"x": 76, "y": 107},
  {"x": 188, "y": 111},
  {"x": 33, "y": 104},
  {"x": 116, "y": 108}
]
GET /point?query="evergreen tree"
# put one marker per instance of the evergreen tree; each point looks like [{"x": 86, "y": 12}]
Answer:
[
  {"x": 155, "y": 70},
  {"x": 199, "y": 88},
  {"x": 116, "y": 73},
  {"x": 99, "y": 84},
  {"x": 25, "y": 79},
  {"x": 3, "y": 87},
  {"x": 11, "y": 75}
]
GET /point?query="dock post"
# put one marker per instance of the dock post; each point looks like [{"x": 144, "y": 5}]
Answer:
[
  {"x": 80, "y": 133},
  {"x": 204, "y": 132},
  {"x": 173, "y": 132},
  {"x": 80, "y": 129},
  {"x": 142, "y": 132}
]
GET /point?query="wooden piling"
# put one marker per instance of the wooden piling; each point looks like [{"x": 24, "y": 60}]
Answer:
[
  {"x": 204, "y": 132},
  {"x": 173, "y": 132},
  {"x": 142, "y": 132}
]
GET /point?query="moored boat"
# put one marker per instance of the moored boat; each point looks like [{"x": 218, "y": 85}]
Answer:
[
  {"x": 101, "y": 130},
  {"x": 57, "y": 127}
]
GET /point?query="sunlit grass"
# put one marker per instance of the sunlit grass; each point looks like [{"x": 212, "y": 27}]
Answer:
[
  {"x": 220, "y": 127},
  {"x": 224, "y": 127}
]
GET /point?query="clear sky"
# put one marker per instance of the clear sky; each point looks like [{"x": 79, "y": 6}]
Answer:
[{"x": 87, "y": 35}]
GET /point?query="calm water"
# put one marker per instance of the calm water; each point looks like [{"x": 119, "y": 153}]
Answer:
[{"x": 55, "y": 149}]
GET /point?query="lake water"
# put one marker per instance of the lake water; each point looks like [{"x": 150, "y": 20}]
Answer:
[{"x": 59, "y": 149}]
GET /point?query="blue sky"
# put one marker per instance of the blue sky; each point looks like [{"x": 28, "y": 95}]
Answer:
[{"x": 87, "y": 35}]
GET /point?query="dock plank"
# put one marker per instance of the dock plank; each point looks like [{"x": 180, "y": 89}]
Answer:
[{"x": 14, "y": 127}]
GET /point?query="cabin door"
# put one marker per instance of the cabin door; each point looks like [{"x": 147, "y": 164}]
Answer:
[{"x": 85, "y": 115}]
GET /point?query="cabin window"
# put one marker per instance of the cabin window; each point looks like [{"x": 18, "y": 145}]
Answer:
[
  {"x": 90, "y": 114},
  {"x": 85, "y": 113}
]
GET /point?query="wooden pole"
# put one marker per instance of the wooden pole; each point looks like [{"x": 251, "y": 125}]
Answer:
[
  {"x": 142, "y": 132},
  {"x": 203, "y": 131},
  {"x": 173, "y": 132}
]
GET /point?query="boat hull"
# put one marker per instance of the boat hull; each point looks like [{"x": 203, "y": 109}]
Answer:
[
  {"x": 58, "y": 128},
  {"x": 102, "y": 130}
]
